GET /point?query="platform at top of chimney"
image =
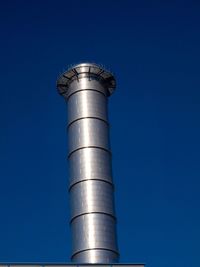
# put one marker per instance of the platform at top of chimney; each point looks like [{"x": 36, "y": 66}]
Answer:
[{"x": 86, "y": 70}]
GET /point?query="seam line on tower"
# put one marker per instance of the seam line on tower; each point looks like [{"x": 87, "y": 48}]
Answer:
[
  {"x": 93, "y": 179},
  {"x": 87, "y": 89},
  {"x": 92, "y": 212},
  {"x": 82, "y": 118},
  {"x": 84, "y": 250},
  {"x": 84, "y": 147}
]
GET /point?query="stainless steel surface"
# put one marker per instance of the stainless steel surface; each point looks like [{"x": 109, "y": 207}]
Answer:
[
  {"x": 100, "y": 196},
  {"x": 94, "y": 231},
  {"x": 97, "y": 256},
  {"x": 86, "y": 104},
  {"x": 82, "y": 84},
  {"x": 88, "y": 133},
  {"x": 93, "y": 224},
  {"x": 90, "y": 163}
]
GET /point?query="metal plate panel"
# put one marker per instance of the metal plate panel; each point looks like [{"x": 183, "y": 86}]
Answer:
[
  {"x": 90, "y": 163},
  {"x": 88, "y": 132},
  {"x": 94, "y": 231},
  {"x": 91, "y": 196},
  {"x": 87, "y": 104},
  {"x": 96, "y": 256},
  {"x": 85, "y": 83}
]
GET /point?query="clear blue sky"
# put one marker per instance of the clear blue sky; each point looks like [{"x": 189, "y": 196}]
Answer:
[{"x": 153, "y": 47}]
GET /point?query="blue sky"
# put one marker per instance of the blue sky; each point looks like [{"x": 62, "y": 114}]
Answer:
[{"x": 153, "y": 49}]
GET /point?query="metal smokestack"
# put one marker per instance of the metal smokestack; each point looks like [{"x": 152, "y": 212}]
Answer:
[{"x": 86, "y": 87}]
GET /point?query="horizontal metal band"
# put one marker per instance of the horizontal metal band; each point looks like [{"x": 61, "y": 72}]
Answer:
[
  {"x": 93, "y": 179},
  {"x": 88, "y": 249},
  {"x": 93, "y": 212},
  {"x": 82, "y": 118},
  {"x": 86, "y": 90},
  {"x": 97, "y": 147}
]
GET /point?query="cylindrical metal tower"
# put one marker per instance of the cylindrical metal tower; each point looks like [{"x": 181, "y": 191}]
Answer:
[{"x": 86, "y": 88}]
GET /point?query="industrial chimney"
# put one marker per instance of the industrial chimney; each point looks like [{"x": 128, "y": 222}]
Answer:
[{"x": 86, "y": 87}]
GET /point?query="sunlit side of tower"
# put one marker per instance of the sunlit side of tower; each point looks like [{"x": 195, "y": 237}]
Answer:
[{"x": 86, "y": 88}]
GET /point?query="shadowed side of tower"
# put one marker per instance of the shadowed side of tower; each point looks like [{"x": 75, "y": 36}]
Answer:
[{"x": 86, "y": 88}]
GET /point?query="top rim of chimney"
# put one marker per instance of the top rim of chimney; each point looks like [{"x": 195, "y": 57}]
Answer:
[{"x": 83, "y": 70}]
